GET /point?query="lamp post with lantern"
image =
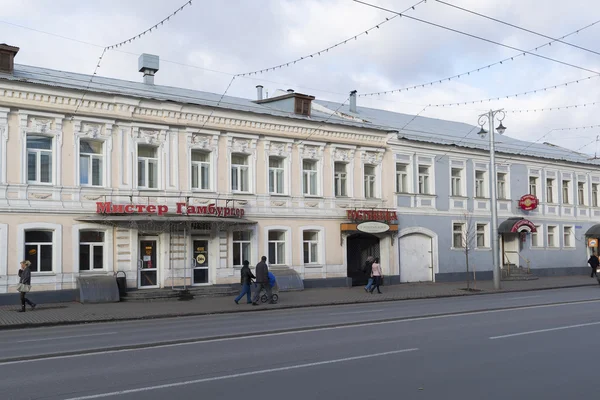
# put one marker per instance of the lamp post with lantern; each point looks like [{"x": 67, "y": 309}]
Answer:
[{"x": 489, "y": 118}]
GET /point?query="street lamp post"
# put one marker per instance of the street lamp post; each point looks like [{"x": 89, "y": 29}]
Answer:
[{"x": 483, "y": 118}]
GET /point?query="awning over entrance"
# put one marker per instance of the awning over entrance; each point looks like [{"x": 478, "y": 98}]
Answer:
[
  {"x": 516, "y": 225},
  {"x": 98, "y": 218},
  {"x": 594, "y": 231}
]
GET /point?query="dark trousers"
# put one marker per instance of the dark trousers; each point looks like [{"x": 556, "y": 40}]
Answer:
[
  {"x": 25, "y": 300},
  {"x": 259, "y": 287},
  {"x": 593, "y": 272},
  {"x": 376, "y": 283}
]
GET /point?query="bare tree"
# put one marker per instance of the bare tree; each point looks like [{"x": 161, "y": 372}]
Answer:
[{"x": 469, "y": 242}]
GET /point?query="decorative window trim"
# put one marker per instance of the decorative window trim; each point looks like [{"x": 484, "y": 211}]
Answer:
[
  {"x": 321, "y": 254},
  {"x": 254, "y": 254},
  {"x": 238, "y": 143},
  {"x": 374, "y": 158},
  {"x": 288, "y": 243},
  {"x": 56, "y": 243},
  {"x": 541, "y": 235},
  {"x": 157, "y": 136},
  {"x": 280, "y": 148},
  {"x": 208, "y": 141},
  {"x": 344, "y": 154},
  {"x": 571, "y": 235},
  {"x": 405, "y": 159},
  {"x": 98, "y": 130},
  {"x": 312, "y": 151},
  {"x": 463, "y": 232},
  {"x": 3, "y": 145},
  {"x": 507, "y": 190},
  {"x": 42, "y": 124},
  {"x": 556, "y": 239},
  {"x": 461, "y": 165},
  {"x": 486, "y": 182},
  {"x": 108, "y": 247},
  {"x": 487, "y": 245}
]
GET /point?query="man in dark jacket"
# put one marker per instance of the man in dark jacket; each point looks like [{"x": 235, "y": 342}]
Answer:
[
  {"x": 262, "y": 281},
  {"x": 246, "y": 277},
  {"x": 593, "y": 262}
]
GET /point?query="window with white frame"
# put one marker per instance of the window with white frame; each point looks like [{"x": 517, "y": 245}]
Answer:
[
  {"x": 535, "y": 237},
  {"x": 550, "y": 190},
  {"x": 370, "y": 177},
  {"x": 566, "y": 188},
  {"x": 581, "y": 193},
  {"x": 424, "y": 184},
  {"x": 402, "y": 178},
  {"x": 551, "y": 236},
  {"x": 310, "y": 246},
  {"x": 276, "y": 247},
  {"x": 91, "y": 163},
  {"x": 568, "y": 236},
  {"x": 594, "y": 195},
  {"x": 501, "y": 186},
  {"x": 91, "y": 250},
  {"x": 457, "y": 235},
  {"x": 533, "y": 182},
  {"x": 480, "y": 191},
  {"x": 481, "y": 236},
  {"x": 147, "y": 167},
  {"x": 341, "y": 179},
  {"x": 200, "y": 170},
  {"x": 242, "y": 242},
  {"x": 276, "y": 175},
  {"x": 38, "y": 250},
  {"x": 39, "y": 159},
  {"x": 309, "y": 178},
  {"x": 239, "y": 173},
  {"x": 456, "y": 182}
]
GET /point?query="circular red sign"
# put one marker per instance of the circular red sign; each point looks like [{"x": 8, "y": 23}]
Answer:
[{"x": 528, "y": 202}]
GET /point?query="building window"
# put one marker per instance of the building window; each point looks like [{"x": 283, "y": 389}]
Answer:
[
  {"x": 302, "y": 106},
  {"x": 91, "y": 250},
  {"x": 456, "y": 182},
  {"x": 239, "y": 173},
  {"x": 310, "y": 245},
  {"x": 309, "y": 177},
  {"x": 38, "y": 250},
  {"x": 340, "y": 179},
  {"x": 370, "y": 176},
  {"x": 480, "y": 184},
  {"x": 276, "y": 175},
  {"x": 581, "y": 193},
  {"x": 39, "y": 159},
  {"x": 565, "y": 191},
  {"x": 552, "y": 236},
  {"x": 90, "y": 163},
  {"x": 550, "y": 190},
  {"x": 401, "y": 178},
  {"x": 200, "y": 170},
  {"x": 277, "y": 247},
  {"x": 457, "y": 235},
  {"x": 241, "y": 247},
  {"x": 501, "y": 187},
  {"x": 594, "y": 195},
  {"x": 568, "y": 236},
  {"x": 424, "y": 180},
  {"x": 147, "y": 167},
  {"x": 481, "y": 240},
  {"x": 533, "y": 185},
  {"x": 535, "y": 238}
]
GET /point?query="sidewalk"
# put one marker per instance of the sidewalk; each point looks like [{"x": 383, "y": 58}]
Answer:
[{"x": 73, "y": 313}]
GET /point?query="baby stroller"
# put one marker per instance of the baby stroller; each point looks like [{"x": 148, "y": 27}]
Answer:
[{"x": 273, "y": 283}]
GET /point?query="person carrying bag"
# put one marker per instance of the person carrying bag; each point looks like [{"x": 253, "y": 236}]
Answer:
[{"x": 24, "y": 285}]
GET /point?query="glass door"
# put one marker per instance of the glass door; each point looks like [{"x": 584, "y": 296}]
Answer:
[
  {"x": 200, "y": 262},
  {"x": 148, "y": 263}
]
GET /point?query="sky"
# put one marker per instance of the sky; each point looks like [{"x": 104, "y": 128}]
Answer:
[{"x": 205, "y": 44}]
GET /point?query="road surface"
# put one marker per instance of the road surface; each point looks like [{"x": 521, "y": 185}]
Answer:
[{"x": 520, "y": 345}]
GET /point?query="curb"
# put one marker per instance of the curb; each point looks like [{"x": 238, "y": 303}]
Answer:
[{"x": 281, "y": 307}]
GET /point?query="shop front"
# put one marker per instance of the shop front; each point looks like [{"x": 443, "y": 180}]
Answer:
[{"x": 513, "y": 234}]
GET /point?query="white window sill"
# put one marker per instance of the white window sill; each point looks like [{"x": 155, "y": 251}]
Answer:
[
  {"x": 426, "y": 194},
  {"x": 462, "y": 249},
  {"x": 312, "y": 196},
  {"x": 483, "y": 249},
  {"x": 242, "y": 193},
  {"x": 40, "y": 183},
  {"x": 33, "y": 273},
  {"x": 93, "y": 186},
  {"x": 313, "y": 265},
  {"x": 196, "y": 190},
  {"x": 279, "y": 195},
  {"x": 405, "y": 193},
  {"x": 93, "y": 272},
  {"x": 537, "y": 248},
  {"x": 142, "y": 189},
  {"x": 454, "y": 197}
]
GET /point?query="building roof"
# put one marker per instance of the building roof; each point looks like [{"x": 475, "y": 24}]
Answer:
[{"x": 422, "y": 129}]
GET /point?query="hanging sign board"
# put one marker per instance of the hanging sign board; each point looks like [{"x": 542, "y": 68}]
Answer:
[
  {"x": 373, "y": 227},
  {"x": 592, "y": 242},
  {"x": 528, "y": 202}
]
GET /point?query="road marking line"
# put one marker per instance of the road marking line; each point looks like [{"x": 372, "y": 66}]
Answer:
[
  {"x": 67, "y": 337},
  {"x": 356, "y": 312},
  {"x": 299, "y": 330},
  {"x": 242, "y": 374},
  {"x": 560, "y": 328},
  {"x": 523, "y": 297}
]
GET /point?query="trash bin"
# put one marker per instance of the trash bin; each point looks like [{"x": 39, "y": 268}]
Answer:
[{"x": 121, "y": 283}]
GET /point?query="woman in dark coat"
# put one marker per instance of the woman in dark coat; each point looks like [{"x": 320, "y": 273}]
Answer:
[
  {"x": 25, "y": 285},
  {"x": 246, "y": 277}
]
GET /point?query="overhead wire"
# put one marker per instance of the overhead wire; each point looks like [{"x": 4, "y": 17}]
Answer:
[{"x": 556, "y": 108}]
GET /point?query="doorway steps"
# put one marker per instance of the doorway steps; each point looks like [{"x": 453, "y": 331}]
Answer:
[
  {"x": 517, "y": 274},
  {"x": 141, "y": 295}
]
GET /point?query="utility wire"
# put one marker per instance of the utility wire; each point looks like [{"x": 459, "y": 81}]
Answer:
[
  {"x": 518, "y": 27},
  {"x": 535, "y": 110}
]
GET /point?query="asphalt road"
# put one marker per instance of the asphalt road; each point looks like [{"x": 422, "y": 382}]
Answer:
[{"x": 520, "y": 345}]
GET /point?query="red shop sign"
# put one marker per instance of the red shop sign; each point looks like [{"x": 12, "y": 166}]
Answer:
[
  {"x": 528, "y": 202},
  {"x": 161, "y": 210}
]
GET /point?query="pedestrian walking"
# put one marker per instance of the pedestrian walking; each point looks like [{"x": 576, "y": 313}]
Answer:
[
  {"x": 24, "y": 285},
  {"x": 593, "y": 262},
  {"x": 367, "y": 268},
  {"x": 245, "y": 281},
  {"x": 262, "y": 281},
  {"x": 377, "y": 275}
]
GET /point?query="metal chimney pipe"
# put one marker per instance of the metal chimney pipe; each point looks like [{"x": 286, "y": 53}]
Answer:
[
  {"x": 259, "y": 92},
  {"x": 353, "y": 101}
]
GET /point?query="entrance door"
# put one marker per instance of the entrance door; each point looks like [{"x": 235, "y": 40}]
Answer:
[
  {"x": 510, "y": 246},
  {"x": 416, "y": 258},
  {"x": 200, "y": 262},
  {"x": 360, "y": 246},
  {"x": 148, "y": 263}
]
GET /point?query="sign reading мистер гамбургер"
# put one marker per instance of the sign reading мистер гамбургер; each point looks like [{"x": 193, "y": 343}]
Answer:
[{"x": 162, "y": 210}]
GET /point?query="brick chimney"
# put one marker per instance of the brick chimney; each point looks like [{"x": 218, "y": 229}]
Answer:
[{"x": 7, "y": 58}]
